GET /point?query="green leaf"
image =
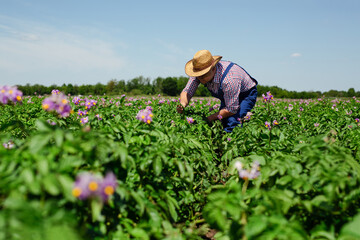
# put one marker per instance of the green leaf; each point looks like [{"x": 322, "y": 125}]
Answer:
[
  {"x": 352, "y": 228},
  {"x": 181, "y": 168},
  {"x": 196, "y": 143},
  {"x": 96, "y": 207},
  {"x": 28, "y": 175},
  {"x": 42, "y": 126},
  {"x": 255, "y": 226},
  {"x": 316, "y": 201},
  {"x": 43, "y": 167},
  {"x": 37, "y": 142},
  {"x": 157, "y": 166},
  {"x": 139, "y": 233},
  {"x": 66, "y": 184},
  {"x": 172, "y": 204},
  {"x": 139, "y": 201},
  {"x": 51, "y": 184},
  {"x": 59, "y": 137},
  {"x": 284, "y": 180}
]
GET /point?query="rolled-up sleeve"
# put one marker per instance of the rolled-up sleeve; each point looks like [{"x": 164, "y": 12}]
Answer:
[{"x": 191, "y": 86}]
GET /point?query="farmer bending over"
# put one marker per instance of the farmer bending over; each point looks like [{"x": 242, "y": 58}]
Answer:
[{"x": 226, "y": 81}]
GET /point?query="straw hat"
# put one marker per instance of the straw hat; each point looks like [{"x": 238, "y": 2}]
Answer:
[{"x": 201, "y": 63}]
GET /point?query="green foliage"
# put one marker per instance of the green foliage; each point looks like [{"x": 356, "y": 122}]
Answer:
[
  {"x": 178, "y": 180},
  {"x": 170, "y": 86}
]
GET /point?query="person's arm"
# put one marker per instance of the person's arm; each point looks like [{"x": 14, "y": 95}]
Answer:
[
  {"x": 184, "y": 101},
  {"x": 223, "y": 113},
  {"x": 187, "y": 93}
]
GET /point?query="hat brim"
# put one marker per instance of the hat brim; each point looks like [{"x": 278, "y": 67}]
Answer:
[{"x": 189, "y": 67}]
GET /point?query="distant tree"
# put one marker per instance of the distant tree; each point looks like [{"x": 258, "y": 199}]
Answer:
[
  {"x": 181, "y": 83},
  {"x": 157, "y": 84},
  {"x": 70, "y": 89},
  {"x": 169, "y": 86},
  {"x": 351, "y": 92},
  {"x": 110, "y": 87},
  {"x": 83, "y": 90},
  {"x": 135, "y": 83},
  {"x": 120, "y": 87},
  {"x": 99, "y": 89}
]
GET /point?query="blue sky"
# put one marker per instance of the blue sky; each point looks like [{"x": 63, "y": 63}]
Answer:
[{"x": 307, "y": 45}]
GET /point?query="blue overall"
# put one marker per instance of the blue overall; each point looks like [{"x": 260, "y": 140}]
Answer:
[{"x": 247, "y": 101}]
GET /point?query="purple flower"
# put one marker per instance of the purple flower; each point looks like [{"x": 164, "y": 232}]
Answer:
[
  {"x": 90, "y": 103},
  {"x": 89, "y": 186},
  {"x": 86, "y": 186},
  {"x": 84, "y": 120},
  {"x": 190, "y": 120},
  {"x": 248, "y": 116},
  {"x": 145, "y": 116},
  {"x": 98, "y": 117},
  {"x": 10, "y": 94},
  {"x": 55, "y": 91},
  {"x": 58, "y": 103},
  {"x": 275, "y": 122},
  {"x": 229, "y": 139},
  {"x": 253, "y": 173},
  {"x": 357, "y": 120},
  {"x": 219, "y": 117},
  {"x": 316, "y": 124},
  {"x": 76, "y": 100},
  {"x": 268, "y": 125},
  {"x": 51, "y": 122},
  {"x": 268, "y": 97},
  {"x": 108, "y": 186},
  {"x": 82, "y": 113},
  {"x": 149, "y": 108},
  {"x": 9, "y": 145},
  {"x": 290, "y": 107}
]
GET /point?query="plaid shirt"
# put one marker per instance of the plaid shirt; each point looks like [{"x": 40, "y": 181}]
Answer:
[{"x": 236, "y": 81}]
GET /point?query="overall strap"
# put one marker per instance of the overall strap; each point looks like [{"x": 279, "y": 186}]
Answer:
[{"x": 225, "y": 73}]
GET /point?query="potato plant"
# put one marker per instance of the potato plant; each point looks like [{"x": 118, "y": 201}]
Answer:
[{"x": 103, "y": 167}]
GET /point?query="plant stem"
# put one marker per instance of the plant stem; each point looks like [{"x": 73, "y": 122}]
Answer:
[{"x": 243, "y": 220}]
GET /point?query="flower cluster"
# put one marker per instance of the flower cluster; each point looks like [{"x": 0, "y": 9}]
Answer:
[
  {"x": 98, "y": 117},
  {"x": 90, "y": 186},
  {"x": 268, "y": 97},
  {"x": 84, "y": 120},
  {"x": 9, "y": 145},
  {"x": 253, "y": 173},
  {"x": 190, "y": 120},
  {"x": 57, "y": 102},
  {"x": 10, "y": 94},
  {"x": 82, "y": 113},
  {"x": 145, "y": 115},
  {"x": 55, "y": 91},
  {"x": 90, "y": 103},
  {"x": 76, "y": 100}
]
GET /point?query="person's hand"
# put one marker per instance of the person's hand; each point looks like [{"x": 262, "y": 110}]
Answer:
[{"x": 180, "y": 108}]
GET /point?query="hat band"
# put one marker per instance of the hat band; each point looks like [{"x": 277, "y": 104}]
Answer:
[{"x": 198, "y": 69}]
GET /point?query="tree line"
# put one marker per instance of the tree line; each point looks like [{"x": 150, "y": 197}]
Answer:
[{"x": 170, "y": 86}]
